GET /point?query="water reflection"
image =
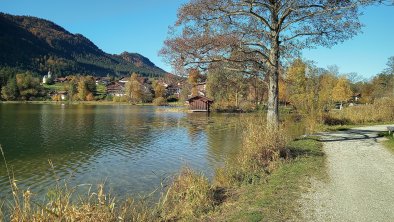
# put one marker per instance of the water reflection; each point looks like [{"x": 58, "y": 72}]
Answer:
[{"x": 131, "y": 147}]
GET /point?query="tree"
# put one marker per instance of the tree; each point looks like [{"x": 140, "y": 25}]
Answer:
[
  {"x": 28, "y": 86},
  {"x": 72, "y": 87},
  {"x": 159, "y": 89},
  {"x": 342, "y": 92},
  {"x": 10, "y": 91},
  {"x": 303, "y": 86},
  {"x": 258, "y": 34},
  {"x": 283, "y": 97},
  {"x": 383, "y": 85},
  {"x": 133, "y": 88},
  {"x": 226, "y": 86},
  {"x": 86, "y": 87},
  {"x": 327, "y": 82},
  {"x": 192, "y": 79},
  {"x": 82, "y": 89},
  {"x": 390, "y": 66}
]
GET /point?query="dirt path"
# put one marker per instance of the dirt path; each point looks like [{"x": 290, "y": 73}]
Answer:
[{"x": 361, "y": 179}]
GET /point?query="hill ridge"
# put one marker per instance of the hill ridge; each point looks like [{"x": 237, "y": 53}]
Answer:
[{"x": 40, "y": 45}]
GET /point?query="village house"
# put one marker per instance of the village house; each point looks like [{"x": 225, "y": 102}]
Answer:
[
  {"x": 124, "y": 80},
  {"x": 116, "y": 89},
  {"x": 63, "y": 95},
  {"x": 61, "y": 80},
  {"x": 103, "y": 80},
  {"x": 173, "y": 90}
]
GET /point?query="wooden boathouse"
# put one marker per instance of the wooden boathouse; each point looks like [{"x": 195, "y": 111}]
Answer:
[{"x": 200, "y": 104}]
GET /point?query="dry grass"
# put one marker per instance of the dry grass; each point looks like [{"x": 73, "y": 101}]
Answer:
[
  {"x": 94, "y": 206},
  {"x": 189, "y": 196},
  {"x": 64, "y": 203},
  {"x": 381, "y": 111},
  {"x": 259, "y": 155}
]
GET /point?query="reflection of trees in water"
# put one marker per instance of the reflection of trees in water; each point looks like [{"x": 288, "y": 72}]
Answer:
[
  {"x": 224, "y": 137},
  {"x": 46, "y": 132},
  {"x": 221, "y": 131},
  {"x": 123, "y": 127}
]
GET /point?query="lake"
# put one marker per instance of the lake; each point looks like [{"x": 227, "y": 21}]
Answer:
[{"x": 132, "y": 148}]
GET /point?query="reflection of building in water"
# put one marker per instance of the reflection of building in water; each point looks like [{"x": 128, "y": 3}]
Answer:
[{"x": 196, "y": 123}]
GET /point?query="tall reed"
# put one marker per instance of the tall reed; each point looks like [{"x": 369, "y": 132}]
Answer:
[{"x": 260, "y": 153}]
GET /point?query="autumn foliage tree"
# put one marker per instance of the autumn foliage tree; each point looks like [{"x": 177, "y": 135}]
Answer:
[
  {"x": 10, "y": 90},
  {"x": 159, "y": 89},
  {"x": 86, "y": 87},
  {"x": 258, "y": 34},
  {"x": 134, "y": 88},
  {"x": 192, "y": 79},
  {"x": 28, "y": 86},
  {"x": 342, "y": 92}
]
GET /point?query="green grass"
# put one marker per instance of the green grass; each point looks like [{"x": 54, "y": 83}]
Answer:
[
  {"x": 389, "y": 143},
  {"x": 277, "y": 198},
  {"x": 55, "y": 87},
  {"x": 101, "y": 89}
]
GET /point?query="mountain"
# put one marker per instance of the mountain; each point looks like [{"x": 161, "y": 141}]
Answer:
[{"x": 39, "y": 45}]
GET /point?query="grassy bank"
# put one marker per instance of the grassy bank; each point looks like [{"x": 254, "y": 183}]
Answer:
[{"x": 276, "y": 197}]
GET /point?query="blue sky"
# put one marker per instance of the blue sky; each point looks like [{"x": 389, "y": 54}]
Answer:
[{"x": 141, "y": 26}]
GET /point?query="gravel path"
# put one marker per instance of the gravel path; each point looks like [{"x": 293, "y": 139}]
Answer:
[{"x": 361, "y": 179}]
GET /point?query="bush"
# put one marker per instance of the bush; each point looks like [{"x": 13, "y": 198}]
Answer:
[
  {"x": 160, "y": 101},
  {"x": 332, "y": 121},
  {"x": 172, "y": 99},
  {"x": 120, "y": 99}
]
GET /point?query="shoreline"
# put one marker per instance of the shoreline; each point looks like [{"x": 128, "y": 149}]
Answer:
[{"x": 88, "y": 103}]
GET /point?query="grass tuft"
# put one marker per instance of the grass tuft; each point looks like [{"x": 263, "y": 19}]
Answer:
[{"x": 189, "y": 196}]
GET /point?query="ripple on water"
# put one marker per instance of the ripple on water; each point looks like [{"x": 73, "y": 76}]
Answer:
[{"x": 132, "y": 148}]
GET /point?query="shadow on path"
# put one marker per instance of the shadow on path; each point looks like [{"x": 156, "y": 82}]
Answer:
[{"x": 349, "y": 135}]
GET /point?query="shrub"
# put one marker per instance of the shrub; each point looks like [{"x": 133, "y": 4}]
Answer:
[
  {"x": 90, "y": 97},
  {"x": 120, "y": 99},
  {"x": 172, "y": 99},
  {"x": 160, "y": 101}
]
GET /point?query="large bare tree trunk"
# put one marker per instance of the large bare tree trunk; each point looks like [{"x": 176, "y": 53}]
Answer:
[
  {"x": 273, "y": 76},
  {"x": 273, "y": 104}
]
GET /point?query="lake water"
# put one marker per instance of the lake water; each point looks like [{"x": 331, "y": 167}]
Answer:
[{"x": 132, "y": 148}]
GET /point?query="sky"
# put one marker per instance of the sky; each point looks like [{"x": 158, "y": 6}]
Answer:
[{"x": 141, "y": 26}]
